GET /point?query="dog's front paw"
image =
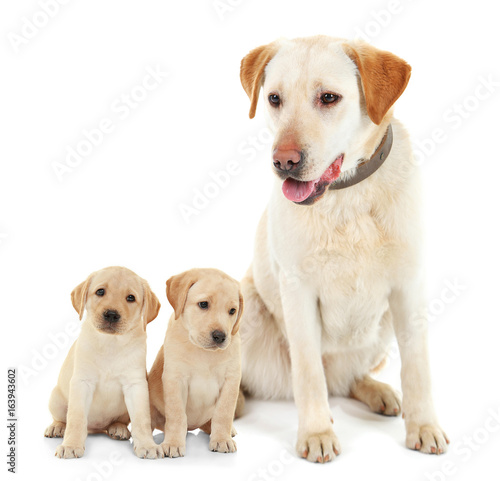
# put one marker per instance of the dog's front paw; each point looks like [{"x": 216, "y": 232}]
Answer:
[
  {"x": 318, "y": 447},
  {"x": 148, "y": 451},
  {"x": 173, "y": 450},
  {"x": 222, "y": 445},
  {"x": 68, "y": 452},
  {"x": 55, "y": 430},
  {"x": 118, "y": 431},
  {"x": 426, "y": 438}
]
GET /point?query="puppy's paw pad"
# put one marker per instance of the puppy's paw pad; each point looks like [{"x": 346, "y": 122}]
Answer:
[
  {"x": 55, "y": 430},
  {"x": 149, "y": 451},
  {"x": 69, "y": 452},
  {"x": 173, "y": 450},
  {"x": 427, "y": 438},
  {"x": 233, "y": 432},
  {"x": 119, "y": 432},
  {"x": 318, "y": 447},
  {"x": 222, "y": 445}
]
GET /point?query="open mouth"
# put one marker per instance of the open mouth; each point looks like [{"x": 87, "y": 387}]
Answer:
[{"x": 306, "y": 193}]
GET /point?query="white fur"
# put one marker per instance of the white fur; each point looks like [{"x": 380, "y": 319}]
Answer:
[{"x": 331, "y": 282}]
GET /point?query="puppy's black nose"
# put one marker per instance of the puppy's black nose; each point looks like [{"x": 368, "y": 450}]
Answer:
[
  {"x": 218, "y": 336},
  {"x": 111, "y": 315}
]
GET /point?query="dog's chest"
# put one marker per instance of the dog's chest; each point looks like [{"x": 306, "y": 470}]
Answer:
[
  {"x": 351, "y": 266},
  {"x": 108, "y": 402},
  {"x": 203, "y": 391}
]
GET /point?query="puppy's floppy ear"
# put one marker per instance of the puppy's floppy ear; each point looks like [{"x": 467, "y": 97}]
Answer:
[
  {"x": 384, "y": 77},
  {"x": 252, "y": 72},
  {"x": 177, "y": 290},
  {"x": 79, "y": 296},
  {"x": 150, "y": 306},
  {"x": 236, "y": 326}
]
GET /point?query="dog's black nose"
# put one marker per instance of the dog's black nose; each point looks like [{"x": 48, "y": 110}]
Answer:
[
  {"x": 111, "y": 316},
  {"x": 218, "y": 336}
]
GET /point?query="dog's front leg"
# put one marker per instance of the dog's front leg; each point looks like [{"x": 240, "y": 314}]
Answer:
[
  {"x": 137, "y": 401},
  {"x": 222, "y": 419},
  {"x": 81, "y": 393},
  {"x": 410, "y": 323},
  {"x": 175, "y": 392},
  {"x": 316, "y": 439}
]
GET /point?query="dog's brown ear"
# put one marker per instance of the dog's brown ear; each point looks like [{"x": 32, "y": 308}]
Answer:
[
  {"x": 236, "y": 326},
  {"x": 252, "y": 72},
  {"x": 177, "y": 290},
  {"x": 150, "y": 306},
  {"x": 79, "y": 296},
  {"x": 384, "y": 77}
]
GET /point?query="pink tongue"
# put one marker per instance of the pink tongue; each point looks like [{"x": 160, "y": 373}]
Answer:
[{"x": 298, "y": 191}]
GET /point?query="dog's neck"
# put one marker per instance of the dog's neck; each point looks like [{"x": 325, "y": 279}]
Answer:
[{"x": 367, "y": 167}]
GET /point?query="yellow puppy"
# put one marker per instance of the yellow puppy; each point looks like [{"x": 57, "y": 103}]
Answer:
[
  {"x": 103, "y": 379},
  {"x": 194, "y": 381}
]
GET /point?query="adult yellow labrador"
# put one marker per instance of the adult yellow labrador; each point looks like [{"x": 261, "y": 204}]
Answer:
[
  {"x": 337, "y": 266},
  {"x": 102, "y": 385}
]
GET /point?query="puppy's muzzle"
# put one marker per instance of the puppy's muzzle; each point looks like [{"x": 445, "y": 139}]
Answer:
[
  {"x": 111, "y": 316},
  {"x": 218, "y": 337}
]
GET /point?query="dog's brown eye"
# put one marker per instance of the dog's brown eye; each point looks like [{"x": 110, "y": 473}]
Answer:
[
  {"x": 99, "y": 292},
  {"x": 203, "y": 304},
  {"x": 232, "y": 311},
  {"x": 329, "y": 98},
  {"x": 130, "y": 298},
  {"x": 274, "y": 100}
]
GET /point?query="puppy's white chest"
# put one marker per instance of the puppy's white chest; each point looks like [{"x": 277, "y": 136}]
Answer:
[{"x": 203, "y": 392}]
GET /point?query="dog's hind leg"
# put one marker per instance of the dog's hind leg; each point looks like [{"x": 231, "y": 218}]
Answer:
[{"x": 266, "y": 369}]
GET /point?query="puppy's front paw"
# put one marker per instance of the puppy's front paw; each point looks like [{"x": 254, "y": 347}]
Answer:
[
  {"x": 318, "y": 447},
  {"x": 222, "y": 445},
  {"x": 68, "y": 452},
  {"x": 118, "y": 431},
  {"x": 55, "y": 430},
  {"x": 148, "y": 451},
  {"x": 173, "y": 450},
  {"x": 426, "y": 438}
]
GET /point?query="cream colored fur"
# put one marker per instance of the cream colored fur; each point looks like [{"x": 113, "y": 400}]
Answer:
[
  {"x": 194, "y": 382},
  {"x": 331, "y": 283},
  {"x": 102, "y": 385}
]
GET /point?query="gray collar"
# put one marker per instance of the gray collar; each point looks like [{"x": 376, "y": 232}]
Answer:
[{"x": 369, "y": 166}]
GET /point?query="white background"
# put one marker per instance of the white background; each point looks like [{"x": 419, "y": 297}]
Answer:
[{"x": 121, "y": 206}]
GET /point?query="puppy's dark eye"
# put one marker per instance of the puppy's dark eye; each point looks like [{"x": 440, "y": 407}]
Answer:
[
  {"x": 130, "y": 298},
  {"x": 203, "y": 304},
  {"x": 274, "y": 100},
  {"x": 99, "y": 292},
  {"x": 329, "y": 98},
  {"x": 232, "y": 311}
]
